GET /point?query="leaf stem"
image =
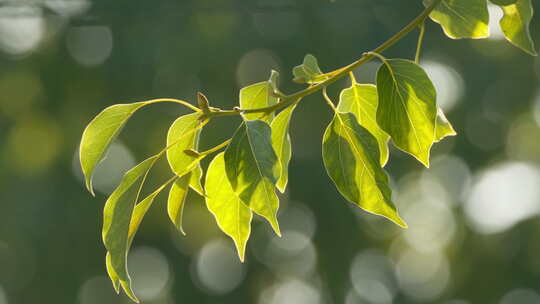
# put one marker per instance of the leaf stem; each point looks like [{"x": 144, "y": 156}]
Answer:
[
  {"x": 291, "y": 99},
  {"x": 216, "y": 148},
  {"x": 329, "y": 100},
  {"x": 184, "y": 103},
  {"x": 421, "y": 35}
]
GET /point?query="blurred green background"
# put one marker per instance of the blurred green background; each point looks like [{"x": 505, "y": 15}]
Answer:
[{"x": 474, "y": 233}]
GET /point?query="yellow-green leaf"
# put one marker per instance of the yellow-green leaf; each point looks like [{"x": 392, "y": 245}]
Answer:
[
  {"x": 232, "y": 216},
  {"x": 259, "y": 95},
  {"x": 308, "y": 71},
  {"x": 183, "y": 135},
  {"x": 100, "y": 133},
  {"x": 407, "y": 107},
  {"x": 253, "y": 169},
  {"x": 462, "y": 18},
  {"x": 282, "y": 145},
  {"x": 362, "y": 100},
  {"x": 195, "y": 180},
  {"x": 117, "y": 216},
  {"x": 444, "y": 127},
  {"x": 515, "y": 24},
  {"x": 139, "y": 212},
  {"x": 351, "y": 157},
  {"x": 177, "y": 197}
]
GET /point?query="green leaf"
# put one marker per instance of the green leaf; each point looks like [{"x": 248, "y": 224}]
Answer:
[
  {"x": 274, "y": 80},
  {"x": 444, "y": 127},
  {"x": 308, "y": 71},
  {"x": 351, "y": 157},
  {"x": 195, "y": 180},
  {"x": 407, "y": 107},
  {"x": 183, "y": 135},
  {"x": 259, "y": 95},
  {"x": 117, "y": 216},
  {"x": 177, "y": 197},
  {"x": 462, "y": 18},
  {"x": 253, "y": 169},
  {"x": 139, "y": 212},
  {"x": 99, "y": 134},
  {"x": 231, "y": 215},
  {"x": 515, "y": 24},
  {"x": 281, "y": 142},
  {"x": 362, "y": 100}
]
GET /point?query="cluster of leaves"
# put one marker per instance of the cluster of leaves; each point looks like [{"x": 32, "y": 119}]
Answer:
[{"x": 243, "y": 179}]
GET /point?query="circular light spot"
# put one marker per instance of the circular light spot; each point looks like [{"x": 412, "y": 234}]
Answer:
[
  {"x": 451, "y": 172},
  {"x": 89, "y": 45},
  {"x": 524, "y": 296},
  {"x": 373, "y": 291},
  {"x": 254, "y": 66},
  {"x": 21, "y": 29},
  {"x": 150, "y": 273},
  {"x": 68, "y": 8},
  {"x": 298, "y": 217},
  {"x": 3, "y": 296},
  {"x": 34, "y": 144},
  {"x": 97, "y": 290},
  {"x": 371, "y": 268},
  {"x": 502, "y": 196},
  {"x": 295, "y": 292},
  {"x": 448, "y": 83},
  {"x": 433, "y": 228},
  {"x": 422, "y": 277},
  {"x": 110, "y": 170},
  {"x": 217, "y": 268}
]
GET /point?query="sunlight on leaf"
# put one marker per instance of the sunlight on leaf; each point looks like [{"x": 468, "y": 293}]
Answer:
[
  {"x": 117, "y": 215},
  {"x": 139, "y": 212},
  {"x": 362, "y": 100},
  {"x": 281, "y": 142},
  {"x": 443, "y": 127},
  {"x": 253, "y": 169},
  {"x": 407, "y": 107},
  {"x": 462, "y": 18},
  {"x": 515, "y": 24},
  {"x": 183, "y": 135},
  {"x": 308, "y": 71},
  {"x": 100, "y": 133},
  {"x": 259, "y": 95},
  {"x": 351, "y": 157},
  {"x": 232, "y": 216},
  {"x": 176, "y": 200}
]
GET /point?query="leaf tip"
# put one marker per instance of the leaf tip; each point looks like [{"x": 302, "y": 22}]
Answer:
[{"x": 89, "y": 186}]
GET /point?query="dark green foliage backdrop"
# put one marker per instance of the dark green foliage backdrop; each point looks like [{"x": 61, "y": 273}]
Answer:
[{"x": 473, "y": 216}]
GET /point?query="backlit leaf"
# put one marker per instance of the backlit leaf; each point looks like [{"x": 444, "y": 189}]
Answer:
[
  {"x": 259, "y": 95},
  {"x": 253, "y": 169},
  {"x": 117, "y": 216},
  {"x": 308, "y": 71},
  {"x": 100, "y": 133},
  {"x": 351, "y": 157},
  {"x": 282, "y": 145},
  {"x": 138, "y": 214},
  {"x": 183, "y": 135},
  {"x": 232, "y": 215},
  {"x": 177, "y": 197},
  {"x": 515, "y": 24},
  {"x": 462, "y": 18},
  {"x": 362, "y": 100},
  {"x": 407, "y": 107},
  {"x": 444, "y": 127},
  {"x": 195, "y": 180}
]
